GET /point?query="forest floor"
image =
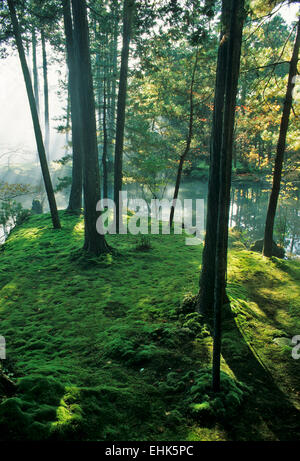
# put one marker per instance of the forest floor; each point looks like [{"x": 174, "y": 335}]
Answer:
[{"x": 111, "y": 348}]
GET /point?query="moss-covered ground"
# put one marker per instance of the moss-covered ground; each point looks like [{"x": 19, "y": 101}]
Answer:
[{"x": 110, "y": 348}]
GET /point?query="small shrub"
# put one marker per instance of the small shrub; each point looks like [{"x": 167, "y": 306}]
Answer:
[{"x": 144, "y": 243}]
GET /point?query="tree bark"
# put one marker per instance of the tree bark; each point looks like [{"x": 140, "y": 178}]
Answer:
[
  {"x": 104, "y": 153},
  {"x": 120, "y": 126},
  {"x": 207, "y": 278},
  {"x": 46, "y": 94},
  {"x": 35, "y": 118},
  {"x": 232, "y": 74},
  {"x": 75, "y": 199},
  {"x": 94, "y": 243},
  {"x": 111, "y": 106},
  {"x": 68, "y": 116},
  {"x": 35, "y": 72},
  {"x": 270, "y": 220}
]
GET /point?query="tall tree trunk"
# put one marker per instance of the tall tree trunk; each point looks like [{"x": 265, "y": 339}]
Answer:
[
  {"x": 237, "y": 13},
  {"x": 75, "y": 199},
  {"x": 35, "y": 72},
  {"x": 268, "y": 237},
  {"x": 188, "y": 142},
  {"x": 27, "y": 53},
  {"x": 118, "y": 167},
  {"x": 35, "y": 118},
  {"x": 104, "y": 154},
  {"x": 207, "y": 278},
  {"x": 46, "y": 94},
  {"x": 68, "y": 116},
  {"x": 94, "y": 243},
  {"x": 99, "y": 79},
  {"x": 111, "y": 106}
]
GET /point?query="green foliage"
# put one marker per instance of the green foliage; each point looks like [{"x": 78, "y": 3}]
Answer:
[
  {"x": 263, "y": 85},
  {"x": 10, "y": 191},
  {"x": 159, "y": 110},
  {"x": 200, "y": 170},
  {"x": 63, "y": 183},
  {"x": 12, "y": 213}
]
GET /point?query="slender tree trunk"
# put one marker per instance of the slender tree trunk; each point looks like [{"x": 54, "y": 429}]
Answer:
[
  {"x": 27, "y": 53},
  {"x": 35, "y": 118},
  {"x": 101, "y": 70},
  {"x": 118, "y": 167},
  {"x": 75, "y": 199},
  {"x": 68, "y": 116},
  {"x": 207, "y": 278},
  {"x": 111, "y": 107},
  {"x": 232, "y": 73},
  {"x": 99, "y": 79},
  {"x": 268, "y": 237},
  {"x": 35, "y": 72},
  {"x": 104, "y": 154},
  {"x": 94, "y": 243},
  {"x": 46, "y": 94},
  {"x": 177, "y": 185},
  {"x": 188, "y": 143}
]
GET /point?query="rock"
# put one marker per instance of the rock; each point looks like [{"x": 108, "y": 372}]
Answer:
[{"x": 277, "y": 251}]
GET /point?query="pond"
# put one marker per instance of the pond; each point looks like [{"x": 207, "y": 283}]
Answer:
[{"x": 248, "y": 209}]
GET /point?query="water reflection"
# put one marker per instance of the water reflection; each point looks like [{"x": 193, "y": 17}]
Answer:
[{"x": 248, "y": 210}]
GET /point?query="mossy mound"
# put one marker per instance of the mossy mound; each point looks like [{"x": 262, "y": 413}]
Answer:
[
  {"x": 204, "y": 404},
  {"x": 277, "y": 251}
]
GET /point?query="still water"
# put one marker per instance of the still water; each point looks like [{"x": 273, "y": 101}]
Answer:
[{"x": 248, "y": 209}]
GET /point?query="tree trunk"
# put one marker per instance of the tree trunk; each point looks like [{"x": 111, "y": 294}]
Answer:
[
  {"x": 232, "y": 73},
  {"x": 111, "y": 107},
  {"x": 104, "y": 154},
  {"x": 207, "y": 278},
  {"x": 118, "y": 174},
  {"x": 68, "y": 116},
  {"x": 46, "y": 94},
  {"x": 35, "y": 72},
  {"x": 94, "y": 243},
  {"x": 268, "y": 237},
  {"x": 75, "y": 199},
  {"x": 188, "y": 143},
  {"x": 35, "y": 118}
]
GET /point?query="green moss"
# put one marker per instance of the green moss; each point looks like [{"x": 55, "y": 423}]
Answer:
[
  {"x": 14, "y": 422},
  {"x": 205, "y": 404},
  {"x": 112, "y": 348}
]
